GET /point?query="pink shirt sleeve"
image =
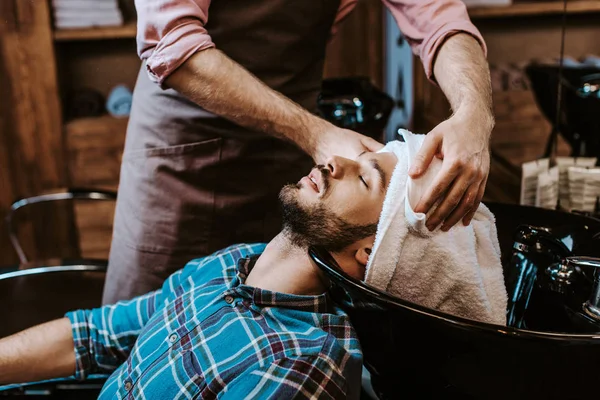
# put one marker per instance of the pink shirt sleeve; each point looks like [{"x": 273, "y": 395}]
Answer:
[
  {"x": 170, "y": 32},
  {"x": 427, "y": 23}
]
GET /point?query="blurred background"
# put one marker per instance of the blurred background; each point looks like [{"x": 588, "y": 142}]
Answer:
[{"x": 66, "y": 75}]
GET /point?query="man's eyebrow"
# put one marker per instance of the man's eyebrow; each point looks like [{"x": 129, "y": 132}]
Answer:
[{"x": 382, "y": 177}]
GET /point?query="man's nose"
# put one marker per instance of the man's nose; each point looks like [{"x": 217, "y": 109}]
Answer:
[{"x": 338, "y": 166}]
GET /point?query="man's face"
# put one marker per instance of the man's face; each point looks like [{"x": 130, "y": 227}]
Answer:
[{"x": 339, "y": 203}]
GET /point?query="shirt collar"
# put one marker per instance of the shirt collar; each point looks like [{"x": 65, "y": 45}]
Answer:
[{"x": 266, "y": 298}]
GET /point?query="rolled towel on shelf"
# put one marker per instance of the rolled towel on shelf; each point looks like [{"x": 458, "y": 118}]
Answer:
[
  {"x": 86, "y": 23},
  {"x": 85, "y": 5},
  {"x": 100, "y": 15},
  {"x": 86, "y": 13},
  {"x": 457, "y": 272}
]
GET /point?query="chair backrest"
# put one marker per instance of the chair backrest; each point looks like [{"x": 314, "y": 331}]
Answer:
[{"x": 71, "y": 194}]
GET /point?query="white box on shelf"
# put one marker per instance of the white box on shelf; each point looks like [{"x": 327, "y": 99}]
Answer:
[{"x": 487, "y": 3}]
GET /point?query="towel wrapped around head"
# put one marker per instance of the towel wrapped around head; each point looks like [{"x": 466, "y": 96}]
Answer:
[{"x": 457, "y": 272}]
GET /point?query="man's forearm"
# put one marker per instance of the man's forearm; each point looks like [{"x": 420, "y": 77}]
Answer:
[
  {"x": 463, "y": 74},
  {"x": 221, "y": 86},
  {"x": 42, "y": 352}
]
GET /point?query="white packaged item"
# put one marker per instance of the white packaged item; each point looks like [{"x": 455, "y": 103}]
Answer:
[
  {"x": 584, "y": 188},
  {"x": 576, "y": 176},
  {"x": 85, "y": 5},
  {"x": 529, "y": 180},
  {"x": 487, "y": 3},
  {"x": 591, "y": 189},
  {"x": 86, "y": 13},
  {"x": 547, "y": 189},
  {"x": 563, "y": 164}
]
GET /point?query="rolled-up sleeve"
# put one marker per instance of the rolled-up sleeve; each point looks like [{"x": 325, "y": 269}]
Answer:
[
  {"x": 104, "y": 337},
  {"x": 427, "y": 23},
  {"x": 170, "y": 32}
]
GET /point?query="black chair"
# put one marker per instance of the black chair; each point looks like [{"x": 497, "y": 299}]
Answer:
[
  {"x": 34, "y": 292},
  {"x": 68, "y": 195}
]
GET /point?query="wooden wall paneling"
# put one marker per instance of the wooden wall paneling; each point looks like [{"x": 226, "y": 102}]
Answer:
[
  {"x": 32, "y": 128},
  {"x": 7, "y": 256},
  {"x": 520, "y": 135},
  {"x": 430, "y": 104},
  {"x": 95, "y": 147},
  {"x": 357, "y": 48},
  {"x": 521, "y": 40},
  {"x": 94, "y": 223}
]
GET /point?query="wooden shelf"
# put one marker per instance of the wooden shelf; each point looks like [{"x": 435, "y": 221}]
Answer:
[
  {"x": 84, "y": 123},
  {"x": 535, "y": 9},
  {"x": 127, "y": 31}
]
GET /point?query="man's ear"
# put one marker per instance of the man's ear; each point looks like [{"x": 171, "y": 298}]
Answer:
[{"x": 362, "y": 255}]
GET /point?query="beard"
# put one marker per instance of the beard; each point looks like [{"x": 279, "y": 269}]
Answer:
[{"x": 317, "y": 225}]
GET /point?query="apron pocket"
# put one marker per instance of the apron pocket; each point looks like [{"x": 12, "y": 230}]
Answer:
[{"x": 166, "y": 197}]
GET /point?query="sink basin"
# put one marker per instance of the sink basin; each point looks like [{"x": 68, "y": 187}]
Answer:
[{"x": 415, "y": 352}]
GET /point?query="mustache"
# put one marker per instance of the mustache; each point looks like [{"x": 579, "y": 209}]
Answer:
[
  {"x": 325, "y": 175},
  {"x": 318, "y": 225}
]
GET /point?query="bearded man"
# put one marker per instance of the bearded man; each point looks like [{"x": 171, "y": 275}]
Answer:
[{"x": 250, "y": 321}]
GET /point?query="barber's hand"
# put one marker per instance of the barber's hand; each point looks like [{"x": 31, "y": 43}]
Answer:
[
  {"x": 344, "y": 143},
  {"x": 462, "y": 142}
]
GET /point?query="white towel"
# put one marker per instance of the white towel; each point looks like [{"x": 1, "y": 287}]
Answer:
[
  {"x": 457, "y": 272},
  {"x": 85, "y": 5},
  {"x": 86, "y": 13}
]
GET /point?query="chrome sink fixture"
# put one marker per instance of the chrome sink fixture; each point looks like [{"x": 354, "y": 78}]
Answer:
[
  {"x": 592, "y": 306},
  {"x": 550, "y": 348}
]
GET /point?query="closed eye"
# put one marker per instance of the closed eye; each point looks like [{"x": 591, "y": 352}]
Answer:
[{"x": 363, "y": 181}]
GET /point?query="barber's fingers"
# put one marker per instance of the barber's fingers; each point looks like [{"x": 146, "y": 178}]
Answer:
[
  {"x": 438, "y": 187},
  {"x": 371, "y": 144},
  {"x": 467, "y": 204},
  {"x": 451, "y": 200},
  {"x": 467, "y": 219},
  {"x": 428, "y": 150}
]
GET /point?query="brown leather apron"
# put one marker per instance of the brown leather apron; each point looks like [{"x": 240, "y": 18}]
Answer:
[{"x": 192, "y": 183}]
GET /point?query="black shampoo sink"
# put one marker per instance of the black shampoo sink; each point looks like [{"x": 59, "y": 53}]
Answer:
[{"x": 415, "y": 352}]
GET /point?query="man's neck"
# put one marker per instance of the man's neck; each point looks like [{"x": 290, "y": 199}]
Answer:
[{"x": 284, "y": 267}]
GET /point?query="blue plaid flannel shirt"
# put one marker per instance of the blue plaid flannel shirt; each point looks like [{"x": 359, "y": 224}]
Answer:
[{"x": 205, "y": 334}]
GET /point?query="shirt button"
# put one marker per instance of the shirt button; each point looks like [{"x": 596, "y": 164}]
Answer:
[
  {"x": 173, "y": 338},
  {"x": 128, "y": 385},
  {"x": 228, "y": 299}
]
